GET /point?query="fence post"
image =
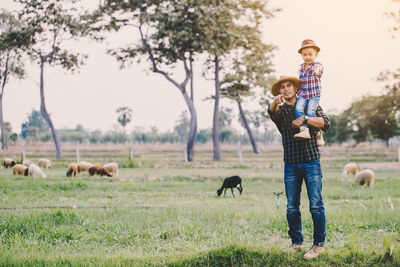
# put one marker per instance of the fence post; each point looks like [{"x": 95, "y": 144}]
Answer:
[
  {"x": 131, "y": 153},
  {"x": 398, "y": 153},
  {"x": 240, "y": 152},
  {"x": 23, "y": 152},
  {"x": 185, "y": 155},
  {"x": 78, "y": 158}
]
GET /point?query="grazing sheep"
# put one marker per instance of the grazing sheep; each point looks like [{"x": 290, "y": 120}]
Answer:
[
  {"x": 99, "y": 170},
  {"x": 112, "y": 167},
  {"x": 350, "y": 168},
  {"x": 72, "y": 169},
  {"x": 8, "y": 162},
  {"x": 84, "y": 166},
  {"x": 231, "y": 182},
  {"x": 35, "y": 170},
  {"x": 20, "y": 169},
  {"x": 44, "y": 163},
  {"x": 366, "y": 177}
]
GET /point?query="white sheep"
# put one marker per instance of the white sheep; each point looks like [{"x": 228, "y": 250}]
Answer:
[
  {"x": 20, "y": 169},
  {"x": 366, "y": 177},
  {"x": 84, "y": 166},
  {"x": 27, "y": 162},
  {"x": 44, "y": 163},
  {"x": 112, "y": 167},
  {"x": 350, "y": 168},
  {"x": 8, "y": 162},
  {"x": 35, "y": 170}
]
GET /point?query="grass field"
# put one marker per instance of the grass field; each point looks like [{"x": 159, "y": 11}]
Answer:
[{"x": 166, "y": 212}]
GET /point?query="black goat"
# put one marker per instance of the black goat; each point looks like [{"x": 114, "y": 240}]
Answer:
[{"x": 231, "y": 182}]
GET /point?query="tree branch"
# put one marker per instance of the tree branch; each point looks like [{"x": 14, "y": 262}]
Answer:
[{"x": 153, "y": 61}]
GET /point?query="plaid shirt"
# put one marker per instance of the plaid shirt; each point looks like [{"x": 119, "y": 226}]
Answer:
[
  {"x": 296, "y": 151},
  {"x": 310, "y": 84}
]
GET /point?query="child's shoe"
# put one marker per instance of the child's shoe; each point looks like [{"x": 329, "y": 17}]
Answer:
[
  {"x": 320, "y": 138},
  {"x": 303, "y": 134}
]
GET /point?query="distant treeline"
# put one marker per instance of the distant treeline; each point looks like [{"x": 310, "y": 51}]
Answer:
[{"x": 35, "y": 129}]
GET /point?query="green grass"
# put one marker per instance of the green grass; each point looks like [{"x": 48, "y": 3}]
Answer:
[{"x": 170, "y": 216}]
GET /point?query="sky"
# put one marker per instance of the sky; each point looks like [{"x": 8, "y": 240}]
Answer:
[{"x": 353, "y": 35}]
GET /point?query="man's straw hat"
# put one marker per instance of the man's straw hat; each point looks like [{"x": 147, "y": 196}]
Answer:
[
  {"x": 308, "y": 43},
  {"x": 275, "y": 88}
]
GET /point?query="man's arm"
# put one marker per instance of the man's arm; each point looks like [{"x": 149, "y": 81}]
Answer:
[
  {"x": 273, "y": 111},
  {"x": 320, "y": 122}
]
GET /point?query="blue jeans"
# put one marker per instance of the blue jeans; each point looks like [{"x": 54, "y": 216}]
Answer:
[
  {"x": 294, "y": 174},
  {"x": 311, "y": 105}
]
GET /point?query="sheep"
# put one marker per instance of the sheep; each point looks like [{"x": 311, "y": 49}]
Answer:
[
  {"x": 99, "y": 170},
  {"x": 112, "y": 167},
  {"x": 44, "y": 163},
  {"x": 84, "y": 166},
  {"x": 72, "y": 169},
  {"x": 35, "y": 170},
  {"x": 8, "y": 162},
  {"x": 27, "y": 162},
  {"x": 19, "y": 169},
  {"x": 231, "y": 182},
  {"x": 350, "y": 168},
  {"x": 366, "y": 176}
]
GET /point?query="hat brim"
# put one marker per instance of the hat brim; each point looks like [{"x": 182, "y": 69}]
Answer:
[
  {"x": 307, "y": 46},
  {"x": 275, "y": 90}
]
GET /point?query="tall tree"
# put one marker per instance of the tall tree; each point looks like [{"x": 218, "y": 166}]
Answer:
[
  {"x": 125, "y": 116},
  {"x": 52, "y": 22},
  {"x": 231, "y": 24},
  {"x": 13, "y": 39},
  {"x": 236, "y": 92},
  {"x": 170, "y": 34},
  {"x": 247, "y": 68}
]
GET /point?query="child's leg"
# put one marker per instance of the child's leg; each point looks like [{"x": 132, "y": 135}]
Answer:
[
  {"x": 311, "y": 109},
  {"x": 312, "y": 106},
  {"x": 304, "y": 132},
  {"x": 300, "y": 107}
]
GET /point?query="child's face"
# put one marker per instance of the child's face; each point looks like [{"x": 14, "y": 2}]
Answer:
[{"x": 309, "y": 55}]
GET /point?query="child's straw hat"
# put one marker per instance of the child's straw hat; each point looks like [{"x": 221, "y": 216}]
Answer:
[
  {"x": 308, "y": 43},
  {"x": 275, "y": 88}
]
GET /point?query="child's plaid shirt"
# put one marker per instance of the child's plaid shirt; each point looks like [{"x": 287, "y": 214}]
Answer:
[{"x": 310, "y": 84}]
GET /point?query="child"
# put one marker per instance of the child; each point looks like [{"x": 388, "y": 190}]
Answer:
[{"x": 310, "y": 90}]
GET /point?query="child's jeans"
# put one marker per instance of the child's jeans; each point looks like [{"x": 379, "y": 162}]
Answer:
[{"x": 311, "y": 105}]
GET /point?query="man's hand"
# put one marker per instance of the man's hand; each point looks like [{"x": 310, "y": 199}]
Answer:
[
  {"x": 298, "y": 122},
  {"x": 277, "y": 101}
]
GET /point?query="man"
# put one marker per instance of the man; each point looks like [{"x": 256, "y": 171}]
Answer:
[{"x": 301, "y": 159}]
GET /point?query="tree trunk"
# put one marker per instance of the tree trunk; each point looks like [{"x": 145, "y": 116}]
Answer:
[
  {"x": 193, "y": 126},
  {"x": 3, "y": 83},
  {"x": 246, "y": 125},
  {"x": 191, "y": 81},
  {"x": 43, "y": 110},
  {"x": 215, "y": 132},
  {"x": 3, "y": 132},
  {"x": 182, "y": 88}
]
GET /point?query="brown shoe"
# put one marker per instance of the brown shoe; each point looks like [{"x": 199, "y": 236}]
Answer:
[
  {"x": 303, "y": 134},
  {"x": 314, "y": 252},
  {"x": 296, "y": 247},
  {"x": 320, "y": 138}
]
